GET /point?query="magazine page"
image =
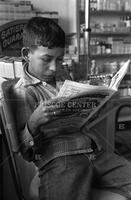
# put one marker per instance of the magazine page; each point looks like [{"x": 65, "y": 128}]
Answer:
[
  {"x": 76, "y": 108},
  {"x": 102, "y": 111},
  {"x": 73, "y": 88}
]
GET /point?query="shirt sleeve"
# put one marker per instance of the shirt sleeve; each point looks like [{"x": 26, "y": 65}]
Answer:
[
  {"x": 26, "y": 137},
  {"x": 25, "y": 106},
  {"x": 27, "y": 144}
]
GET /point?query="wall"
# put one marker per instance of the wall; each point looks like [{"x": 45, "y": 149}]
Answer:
[{"x": 65, "y": 8}]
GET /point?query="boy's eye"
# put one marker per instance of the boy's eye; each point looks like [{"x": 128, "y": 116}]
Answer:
[
  {"x": 46, "y": 59},
  {"x": 60, "y": 59},
  {"x": 49, "y": 59}
]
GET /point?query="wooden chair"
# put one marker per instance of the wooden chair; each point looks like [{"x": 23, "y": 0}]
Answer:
[{"x": 21, "y": 172}]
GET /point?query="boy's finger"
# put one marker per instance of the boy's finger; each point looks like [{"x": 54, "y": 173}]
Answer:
[
  {"x": 54, "y": 113},
  {"x": 52, "y": 108}
]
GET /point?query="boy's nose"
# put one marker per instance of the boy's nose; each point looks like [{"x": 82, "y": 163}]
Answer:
[{"x": 53, "y": 66}]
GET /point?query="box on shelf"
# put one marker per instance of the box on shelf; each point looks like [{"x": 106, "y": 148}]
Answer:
[
  {"x": 10, "y": 67},
  {"x": 18, "y": 68},
  {"x": 6, "y": 67}
]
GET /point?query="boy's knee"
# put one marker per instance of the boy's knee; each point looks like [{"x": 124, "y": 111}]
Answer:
[{"x": 107, "y": 195}]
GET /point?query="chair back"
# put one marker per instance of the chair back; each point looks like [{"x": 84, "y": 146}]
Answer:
[
  {"x": 22, "y": 171},
  {"x": 7, "y": 115}
]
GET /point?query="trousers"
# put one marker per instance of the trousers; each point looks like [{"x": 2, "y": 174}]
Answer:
[{"x": 72, "y": 177}]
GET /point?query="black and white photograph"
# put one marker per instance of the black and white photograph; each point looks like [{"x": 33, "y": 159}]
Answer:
[{"x": 65, "y": 99}]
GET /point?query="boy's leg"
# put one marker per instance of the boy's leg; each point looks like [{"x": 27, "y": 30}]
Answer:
[
  {"x": 114, "y": 173},
  {"x": 106, "y": 195},
  {"x": 67, "y": 178}
]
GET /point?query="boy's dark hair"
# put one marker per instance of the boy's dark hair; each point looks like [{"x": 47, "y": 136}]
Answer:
[{"x": 45, "y": 32}]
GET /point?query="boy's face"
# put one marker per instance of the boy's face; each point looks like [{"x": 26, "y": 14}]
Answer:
[{"x": 43, "y": 62}]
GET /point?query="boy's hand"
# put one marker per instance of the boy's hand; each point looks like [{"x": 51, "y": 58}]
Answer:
[{"x": 42, "y": 115}]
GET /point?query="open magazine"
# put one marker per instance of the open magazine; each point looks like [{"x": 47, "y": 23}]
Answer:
[{"x": 82, "y": 103}]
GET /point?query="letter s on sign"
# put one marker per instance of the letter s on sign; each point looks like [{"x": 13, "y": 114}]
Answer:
[{"x": 3, "y": 35}]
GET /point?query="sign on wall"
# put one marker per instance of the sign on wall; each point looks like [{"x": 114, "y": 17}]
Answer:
[{"x": 11, "y": 37}]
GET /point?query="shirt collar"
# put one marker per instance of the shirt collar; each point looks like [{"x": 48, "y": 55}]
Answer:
[
  {"x": 30, "y": 79},
  {"x": 27, "y": 80}
]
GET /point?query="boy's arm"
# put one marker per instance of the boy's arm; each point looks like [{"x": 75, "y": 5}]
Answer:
[
  {"x": 25, "y": 106},
  {"x": 30, "y": 114}
]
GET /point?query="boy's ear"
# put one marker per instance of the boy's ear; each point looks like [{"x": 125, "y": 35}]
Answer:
[{"x": 25, "y": 53}]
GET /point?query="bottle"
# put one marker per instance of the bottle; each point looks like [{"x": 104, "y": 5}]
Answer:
[
  {"x": 128, "y": 23},
  {"x": 96, "y": 70},
  {"x": 95, "y": 5},
  {"x": 98, "y": 48},
  {"x": 91, "y": 5},
  {"x": 108, "y": 49},
  {"x": 93, "y": 65},
  {"x": 103, "y": 47},
  {"x": 82, "y": 5}
]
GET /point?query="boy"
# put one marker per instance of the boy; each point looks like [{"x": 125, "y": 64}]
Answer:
[{"x": 67, "y": 163}]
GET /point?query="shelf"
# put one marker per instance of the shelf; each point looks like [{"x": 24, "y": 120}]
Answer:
[
  {"x": 114, "y": 34},
  {"x": 110, "y": 56},
  {"x": 100, "y": 34},
  {"x": 107, "y": 74},
  {"x": 106, "y": 55},
  {"x": 71, "y": 34},
  {"x": 110, "y": 12}
]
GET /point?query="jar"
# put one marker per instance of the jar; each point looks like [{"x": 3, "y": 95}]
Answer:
[{"x": 108, "y": 49}]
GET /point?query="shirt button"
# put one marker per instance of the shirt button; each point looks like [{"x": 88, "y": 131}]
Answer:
[
  {"x": 44, "y": 83},
  {"x": 31, "y": 143}
]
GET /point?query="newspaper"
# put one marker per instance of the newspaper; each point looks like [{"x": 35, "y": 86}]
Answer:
[{"x": 82, "y": 103}]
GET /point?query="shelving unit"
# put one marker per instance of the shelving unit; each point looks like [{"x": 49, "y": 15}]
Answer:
[
  {"x": 110, "y": 38},
  {"x": 103, "y": 38}
]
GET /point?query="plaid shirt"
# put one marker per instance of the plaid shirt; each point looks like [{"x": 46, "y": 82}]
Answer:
[{"x": 29, "y": 91}]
